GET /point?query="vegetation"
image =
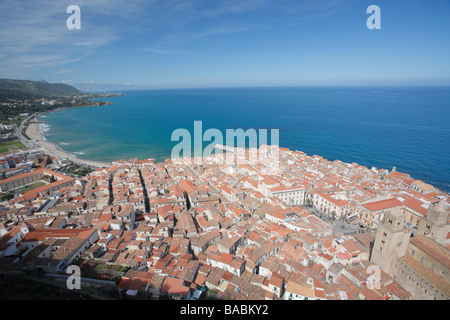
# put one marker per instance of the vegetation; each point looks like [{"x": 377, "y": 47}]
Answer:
[
  {"x": 31, "y": 187},
  {"x": 27, "y": 89},
  {"x": 79, "y": 170},
  {"x": 333, "y": 215},
  {"x": 6, "y": 197},
  {"x": 10, "y": 145},
  {"x": 20, "y": 97},
  {"x": 95, "y": 269},
  {"x": 12, "y": 288},
  {"x": 211, "y": 294},
  {"x": 11, "y": 114},
  {"x": 24, "y": 134}
]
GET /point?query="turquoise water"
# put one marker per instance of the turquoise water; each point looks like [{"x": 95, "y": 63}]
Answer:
[{"x": 406, "y": 127}]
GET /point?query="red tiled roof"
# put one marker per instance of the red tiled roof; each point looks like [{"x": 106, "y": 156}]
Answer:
[
  {"x": 382, "y": 204},
  {"x": 174, "y": 286},
  {"x": 41, "y": 235}
]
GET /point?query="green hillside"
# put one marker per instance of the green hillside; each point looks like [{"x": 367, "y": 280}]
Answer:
[{"x": 26, "y": 89}]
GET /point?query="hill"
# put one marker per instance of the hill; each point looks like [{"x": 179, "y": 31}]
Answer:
[{"x": 25, "y": 89}]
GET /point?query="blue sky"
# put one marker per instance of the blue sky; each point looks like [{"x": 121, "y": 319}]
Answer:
[{"x": 227, "y": 43}]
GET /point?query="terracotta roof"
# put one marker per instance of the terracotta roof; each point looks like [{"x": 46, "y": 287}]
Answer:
[
  {"x": 414, "y": 204},
  {"x": 303, "y": 290},
  {"x": 434, "y": 249},
  {"x": 41, "y": 235},
  {"x": 427, "y": 274},
  {"x": 382, "y": 204},
  {"x": 337, "y": 202}
]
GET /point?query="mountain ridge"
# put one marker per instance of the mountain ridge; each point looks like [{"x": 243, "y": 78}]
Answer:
[{"x": 29, "y": 89}]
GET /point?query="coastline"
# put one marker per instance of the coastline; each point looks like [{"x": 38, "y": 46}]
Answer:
[
  {"x": 360, "y": 157},
  {"x": 33, "y": 131}
]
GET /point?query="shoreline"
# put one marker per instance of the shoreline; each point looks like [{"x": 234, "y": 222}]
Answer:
[
  {"x": 60, "y": 153},
  {"x": 34, "y": 132}
]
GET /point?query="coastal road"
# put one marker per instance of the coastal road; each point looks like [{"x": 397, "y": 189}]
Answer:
[{"x": 30, "y": 144}]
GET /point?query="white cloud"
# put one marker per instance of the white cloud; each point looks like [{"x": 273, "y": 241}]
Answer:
[{"x": 34, "y": 35}]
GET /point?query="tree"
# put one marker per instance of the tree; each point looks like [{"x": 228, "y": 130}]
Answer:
[
  {"x": 49, "y": 160},
  {"x": 52, "y": 179},
  {"x": 343, "y": 218},
  {"x": 7, "y": 197},
  {"x": 211, "y": 294},
  {"x": 333, "y": 214},
  {"x": 309, "y": 202}
]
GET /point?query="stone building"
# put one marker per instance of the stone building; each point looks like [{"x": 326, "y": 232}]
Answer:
[
  {"x": 391, "y": 240},
  {"x": 435, "y": 224},
  {"x": 421, "y": 263},
  {"x": 424, "y": 269}
]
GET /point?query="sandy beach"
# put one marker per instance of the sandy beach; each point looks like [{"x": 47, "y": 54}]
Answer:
[{"x": 34, "y": 132}]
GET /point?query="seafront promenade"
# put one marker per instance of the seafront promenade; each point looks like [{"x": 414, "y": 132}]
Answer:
[{"x": 34, "y": 133}]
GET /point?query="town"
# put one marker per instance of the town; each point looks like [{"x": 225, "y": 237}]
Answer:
[{"x": 305, "y": 229}]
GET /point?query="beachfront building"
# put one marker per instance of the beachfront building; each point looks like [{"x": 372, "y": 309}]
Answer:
[{"x": 422, "y": 187}]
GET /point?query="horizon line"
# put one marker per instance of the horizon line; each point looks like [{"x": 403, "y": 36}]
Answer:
[{"x": 271, "y": 86}]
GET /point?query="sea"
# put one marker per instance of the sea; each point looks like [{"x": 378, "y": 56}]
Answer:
[{"x": 383, "y": 127}]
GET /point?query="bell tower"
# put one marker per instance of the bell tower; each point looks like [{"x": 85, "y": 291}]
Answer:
[
  {"x": 391, "y": 240},
  {"x": 434, "y": 225}
]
